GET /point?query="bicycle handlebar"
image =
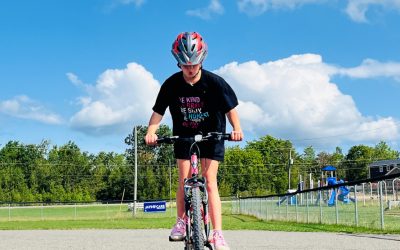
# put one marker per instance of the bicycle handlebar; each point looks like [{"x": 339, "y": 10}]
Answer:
[{"x": 217, "y": 136}]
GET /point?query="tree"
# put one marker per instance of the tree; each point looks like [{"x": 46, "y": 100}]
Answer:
[
  {"x": 275, "y": 154},
  {"x": 356, "y": 162},
  {"x": 70, "y": 169},
  {"x": 242, "y": 172},
  {"x": 383, "y": 152},
  {"x": 152, "y": 161}
]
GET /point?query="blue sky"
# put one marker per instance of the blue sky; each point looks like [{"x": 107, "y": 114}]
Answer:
[{"x": 316, "y": 72}]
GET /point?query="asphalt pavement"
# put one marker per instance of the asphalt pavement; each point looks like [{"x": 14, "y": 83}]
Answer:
[{"x": 158, "y": 239}]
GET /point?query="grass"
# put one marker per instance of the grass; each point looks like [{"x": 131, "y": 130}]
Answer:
[
  {"x": 117, "y": 217},
  {"x": 231, "y": 222},
  {"x": 368, "y": 216}
]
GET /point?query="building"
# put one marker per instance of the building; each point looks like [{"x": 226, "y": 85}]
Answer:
[{"x": 384, "y": 167}]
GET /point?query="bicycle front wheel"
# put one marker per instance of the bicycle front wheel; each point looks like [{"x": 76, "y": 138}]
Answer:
[{"x": 197, "y": 231}]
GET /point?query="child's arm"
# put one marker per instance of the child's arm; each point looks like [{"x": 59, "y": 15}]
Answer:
[
  {"x": 233, "y": 117},
  {"x": 154, "y": 123}
]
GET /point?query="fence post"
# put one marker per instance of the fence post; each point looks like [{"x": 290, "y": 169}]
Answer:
[
  {"x": 75, "y": 211},
  {"x": 287, "y": 207},
  {"x": 386, "y": 198},
  {"x": 370, "y": 188},
  {"x": 308, "y": 212},
  {"x": 320, "y": 206},
  {"x": 9, "y": 211},
  {"x": 336, "y": 206},
  {"x": 355, "y": 205},
  {"x": 297, "y": 214},
  {"x": 279, "y": 209},
  {"x": 363, "y": 190},
  {"x": 381, "y": 205},
  {"x": 108, "y": 216}
]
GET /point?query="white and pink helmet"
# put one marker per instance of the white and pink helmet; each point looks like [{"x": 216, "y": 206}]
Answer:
[{"x": 189, "y": 48}]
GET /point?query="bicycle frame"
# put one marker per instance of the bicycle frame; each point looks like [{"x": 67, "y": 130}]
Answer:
[
  {"x": 195, "y": 194},
  {"x": 200, "y": 183}
]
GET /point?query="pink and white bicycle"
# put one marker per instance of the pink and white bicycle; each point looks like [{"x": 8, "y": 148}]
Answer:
[{"x": 195, "y": 193}]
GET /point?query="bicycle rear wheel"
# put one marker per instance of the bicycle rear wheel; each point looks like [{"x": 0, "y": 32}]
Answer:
[{"x": 197, "y": 231}]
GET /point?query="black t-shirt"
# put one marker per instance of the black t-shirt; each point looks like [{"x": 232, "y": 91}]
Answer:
[{"x": 198, "y": 108}]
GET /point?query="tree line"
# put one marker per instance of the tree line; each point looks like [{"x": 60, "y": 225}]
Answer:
[{"x": 38, "y": 173}]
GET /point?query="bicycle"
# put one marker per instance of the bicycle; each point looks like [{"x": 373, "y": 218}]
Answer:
[{"x": 195, "y": 193}]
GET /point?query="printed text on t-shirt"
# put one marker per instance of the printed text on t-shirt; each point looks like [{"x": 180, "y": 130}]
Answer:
[{"x": 191, "y": 109}]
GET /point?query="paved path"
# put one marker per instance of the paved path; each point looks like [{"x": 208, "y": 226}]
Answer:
[{"x": 157, "y": 239}]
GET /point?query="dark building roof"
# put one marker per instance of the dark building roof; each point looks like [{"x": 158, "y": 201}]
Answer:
[
  {"x": 395, "y": 170},
  {"x": 385, "y": 163}
]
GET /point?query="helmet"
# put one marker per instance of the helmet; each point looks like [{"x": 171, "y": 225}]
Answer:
[{"x": 189, "y": 48}]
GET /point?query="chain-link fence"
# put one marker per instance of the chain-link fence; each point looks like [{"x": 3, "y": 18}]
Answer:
[
  {"x": 372, "y": 203},
  {"x": 78, "y": 211}
]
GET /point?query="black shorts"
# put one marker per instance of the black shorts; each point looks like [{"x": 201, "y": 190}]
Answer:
[{"x": 208, "y": 149}]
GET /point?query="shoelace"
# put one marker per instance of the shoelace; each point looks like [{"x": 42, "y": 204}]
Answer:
[
  {"x": 180, "y": 223},
  {"x": 217, "y": 236}
]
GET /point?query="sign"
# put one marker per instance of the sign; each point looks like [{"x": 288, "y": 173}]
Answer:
[{"x": 155, "y": 206}]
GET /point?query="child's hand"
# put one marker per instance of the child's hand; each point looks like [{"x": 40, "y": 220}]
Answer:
[
  {"x": 236, "y": 135},
  {"x": 151, "y": 139}
]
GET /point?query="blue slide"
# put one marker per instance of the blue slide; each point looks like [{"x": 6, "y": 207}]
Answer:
[{"x": 343, "y": 192}]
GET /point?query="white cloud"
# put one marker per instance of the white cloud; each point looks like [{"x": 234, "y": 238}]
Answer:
[
  {"x": 214, "y": 7},
  {"x": 25, "y": 108},
  {"x": 74, "y": 79},
  {"x": 112, "y": 4},
  {"x": 137, "y": 3},
  {"x": 371, "y": 68},
  {"x": 120, "y": 99},
  {"x": 258, "y": 7},
  {"x": 357, "y": 9},
  {"x": 294, "y": 98}
]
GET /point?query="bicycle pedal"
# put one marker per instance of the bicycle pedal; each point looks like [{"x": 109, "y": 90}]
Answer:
[{"x": 175, "y": 239}]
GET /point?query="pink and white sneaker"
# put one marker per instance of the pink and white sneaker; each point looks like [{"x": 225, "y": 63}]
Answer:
[
  {"x": 219, "y": 241},
  {"x": 178, "y": 231}
]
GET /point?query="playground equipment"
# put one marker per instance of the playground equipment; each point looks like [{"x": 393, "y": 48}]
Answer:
[
  {"x": 292, "y": 198},
  {"x": 328, "y": 178},
  {"x": 342, "y": 195}
]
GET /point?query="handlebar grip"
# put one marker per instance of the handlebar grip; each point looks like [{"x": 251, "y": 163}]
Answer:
[
  {"x": 226, "y": 137},
  {"x": 167, "y": 140},
  {"x": 220, "y": 136}
]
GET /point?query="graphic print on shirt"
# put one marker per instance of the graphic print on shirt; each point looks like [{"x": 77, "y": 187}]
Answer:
[{"x": 192, "y": 111}]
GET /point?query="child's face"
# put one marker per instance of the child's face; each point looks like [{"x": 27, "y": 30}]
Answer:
[{"x": 190, "y": 71}]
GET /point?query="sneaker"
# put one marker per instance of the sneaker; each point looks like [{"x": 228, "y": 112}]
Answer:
[
  {"x": 219, "y": 241},
  {"x": 179, "y": 230}
]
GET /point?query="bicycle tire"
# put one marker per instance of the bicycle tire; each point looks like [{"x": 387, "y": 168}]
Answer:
[{"x": 197, "y": 231}]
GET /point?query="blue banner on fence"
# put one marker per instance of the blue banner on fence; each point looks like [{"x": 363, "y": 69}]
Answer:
[{"x": 155, "y": 206}]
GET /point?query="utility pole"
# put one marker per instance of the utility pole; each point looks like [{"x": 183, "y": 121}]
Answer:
[
  {"x": 136, "y": 160},
  {"x": 290, "y": 165}
]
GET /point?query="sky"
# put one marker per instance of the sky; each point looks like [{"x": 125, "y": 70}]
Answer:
[{"x": 320, "y": 73}]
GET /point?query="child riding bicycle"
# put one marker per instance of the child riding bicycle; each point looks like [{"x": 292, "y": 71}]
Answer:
[{"x": 199, "y": 102}]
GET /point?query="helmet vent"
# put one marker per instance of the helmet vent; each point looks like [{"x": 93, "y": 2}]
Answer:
[{"x": 189, "y": 48}]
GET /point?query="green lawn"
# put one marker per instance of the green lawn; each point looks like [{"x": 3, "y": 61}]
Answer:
[{"x": 118, "y": 217}]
